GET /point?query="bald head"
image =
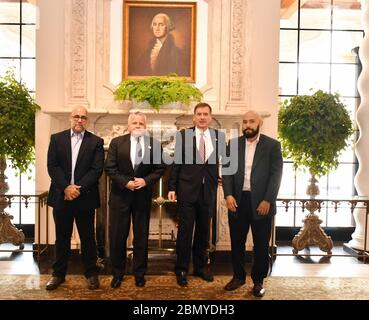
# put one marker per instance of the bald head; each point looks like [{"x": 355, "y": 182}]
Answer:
[
  {"x": 78, "y": 119},
  {"x": 251, "y": 124}
]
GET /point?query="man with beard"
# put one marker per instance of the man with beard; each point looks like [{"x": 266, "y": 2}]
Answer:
[
  {"x": 250, "y": 196},
  {"x": 75, "y": 161}
]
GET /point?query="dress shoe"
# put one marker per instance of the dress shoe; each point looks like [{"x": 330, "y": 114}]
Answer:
[
  {"x": 115, "y": 282},
  {"x": 54, "y": 282},
  {"x": 140, "y": 281},
  {"x": 204, "y": 274},
  {"x": 258, "y": 290},
  {"x": 182, "y": 279},
  {"x": 234, "y": 284},
  {"x": 93, "y": 282}
]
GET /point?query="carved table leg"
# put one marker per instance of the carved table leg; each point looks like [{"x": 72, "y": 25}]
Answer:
[{"x": 312, "y": 233}]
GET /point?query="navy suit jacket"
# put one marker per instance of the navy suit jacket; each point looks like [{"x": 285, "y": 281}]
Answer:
[
  {"x": 266, "y": 174},
  {"x": 88, "y": 169}
]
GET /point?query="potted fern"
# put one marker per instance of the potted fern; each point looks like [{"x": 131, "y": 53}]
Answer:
[
  {"x": 17, "y": 131},
  {"x": 158, "y": 91}
]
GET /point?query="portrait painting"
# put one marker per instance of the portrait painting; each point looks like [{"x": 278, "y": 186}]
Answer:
[{"x": 159, "y": 39}]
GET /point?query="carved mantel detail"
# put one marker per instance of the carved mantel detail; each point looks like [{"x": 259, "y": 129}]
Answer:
[
  {"x": 78, "y": 49},
  {"x": 237, "y": 92}
]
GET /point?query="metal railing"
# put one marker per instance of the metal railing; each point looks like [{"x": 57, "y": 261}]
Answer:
[{"x": 10, "y": 234}]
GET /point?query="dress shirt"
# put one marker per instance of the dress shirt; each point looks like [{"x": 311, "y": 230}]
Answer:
[
  {"x": 209, "y": 148},
  {"x": 134, "y": 146},
  {"x": 76, "y": 141},
  {"x": 250, "y": 147}
]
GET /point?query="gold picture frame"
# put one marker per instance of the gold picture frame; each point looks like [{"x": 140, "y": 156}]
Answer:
[{"x": 159, "y": 38}]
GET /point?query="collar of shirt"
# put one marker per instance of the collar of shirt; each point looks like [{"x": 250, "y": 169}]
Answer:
[
  {"x": 72, "y": 133},
  {"x": 198, "y": 133},
  {"x": 254, "y": 141},
  {"x": 134, "y": 139}
]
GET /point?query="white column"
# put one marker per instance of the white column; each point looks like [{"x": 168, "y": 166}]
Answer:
[{"x": 361, "y": 149}]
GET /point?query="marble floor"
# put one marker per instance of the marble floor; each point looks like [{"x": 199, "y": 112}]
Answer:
[{"x": 163, "y": 263}]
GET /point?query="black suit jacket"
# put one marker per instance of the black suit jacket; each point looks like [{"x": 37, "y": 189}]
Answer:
[
  {"x": 266, "y": 173},
  {"x": 118, "y": 166},
  {"x": 188, "y": 170},
  {"x": 170, "y": 59},
  {"x": 88, "y": 169}
]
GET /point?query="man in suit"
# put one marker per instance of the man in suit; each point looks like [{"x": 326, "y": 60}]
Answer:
[
  {"x": 193, "y": 182},
  {"x": 250, "y": 196},
  {"x": 134, "y": 165},
  {"x": 162, "y": 55},
  {"x": 75, "y": 162}
]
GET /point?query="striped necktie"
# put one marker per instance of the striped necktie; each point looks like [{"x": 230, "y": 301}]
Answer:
[{"x": 202, "y": 148}]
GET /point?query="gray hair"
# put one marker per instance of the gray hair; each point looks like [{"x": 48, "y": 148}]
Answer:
[
  {"x": 168, "y": 20},
  {"x": 134, "y": 114}
]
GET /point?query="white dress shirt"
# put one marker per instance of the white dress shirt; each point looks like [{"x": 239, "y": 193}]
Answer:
[
  {"x": 250, "y": 147},
  {"x": 76, "y": 141},
  {"x": 209, "y": 148},
  {"x": 134, "y": 146}
]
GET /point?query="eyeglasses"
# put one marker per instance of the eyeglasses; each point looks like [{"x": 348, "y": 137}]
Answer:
[{"x": 77, "y": 117}]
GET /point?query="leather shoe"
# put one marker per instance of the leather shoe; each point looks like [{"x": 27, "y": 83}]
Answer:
[
  {"x": 54, "y": 282},
  {"x": 258, "y": 290},
  {"x": 182, "y": 279},
  {"x": 234, "y": 284},
  {"x": 140, "y": 281},
  {"x": 93, "y": 282},
  {"x": 204, "y": 274},
  {"x": 115, "y": 282}
]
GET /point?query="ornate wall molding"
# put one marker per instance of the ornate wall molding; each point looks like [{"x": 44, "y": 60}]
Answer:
[
  {"x": 76, "y": 51},
  {"x": 237, "y": 92}
]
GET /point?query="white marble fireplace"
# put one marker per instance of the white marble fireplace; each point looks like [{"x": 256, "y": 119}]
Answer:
[{"x": 79, "y": 62}]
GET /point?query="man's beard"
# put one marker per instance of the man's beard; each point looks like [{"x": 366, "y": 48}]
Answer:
[{"x": 251, "y": 134}]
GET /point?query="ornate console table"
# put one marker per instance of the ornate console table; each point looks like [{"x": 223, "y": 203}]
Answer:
[{"x": 312, "y": 233}]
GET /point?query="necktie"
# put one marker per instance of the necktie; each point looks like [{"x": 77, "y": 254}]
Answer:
[
  {"x": 138, "y": 158},
  {"x": 202, "y": 148}
]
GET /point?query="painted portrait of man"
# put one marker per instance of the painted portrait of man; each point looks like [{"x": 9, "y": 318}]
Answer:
[{"x": 159, "y": 40}]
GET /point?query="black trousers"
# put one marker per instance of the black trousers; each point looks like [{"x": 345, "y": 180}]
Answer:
[
  {"x": 192, "y": 215},
  {"x": 64, "y": 219},
  {"x": 239, "y": 224},
  {"x": 120, "y": 213}
]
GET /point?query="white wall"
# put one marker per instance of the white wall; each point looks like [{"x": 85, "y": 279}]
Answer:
[{"x": 264, "y": 33}]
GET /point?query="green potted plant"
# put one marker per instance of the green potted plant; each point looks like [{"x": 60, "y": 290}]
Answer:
[
  {"x": 17, "y": 143},
  {"x": 313, "y": 130},
  {"x": 158, "y": 91}
]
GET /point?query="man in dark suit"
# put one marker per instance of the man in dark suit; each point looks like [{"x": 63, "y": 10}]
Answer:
[
  {"x": 75, "y": 162},
  {"x": 193, "y": 182},
  {"x": 134, "y": 165},
  {"x": 251, "y": 195}
]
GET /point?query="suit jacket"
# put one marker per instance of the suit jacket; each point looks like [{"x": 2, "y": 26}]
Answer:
[
  {"x": 266, "y": 173},
  {"x": 88, "y": 169},
  {"x": 189, "y": 171},
  {"x": 118, "y": 166}
]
